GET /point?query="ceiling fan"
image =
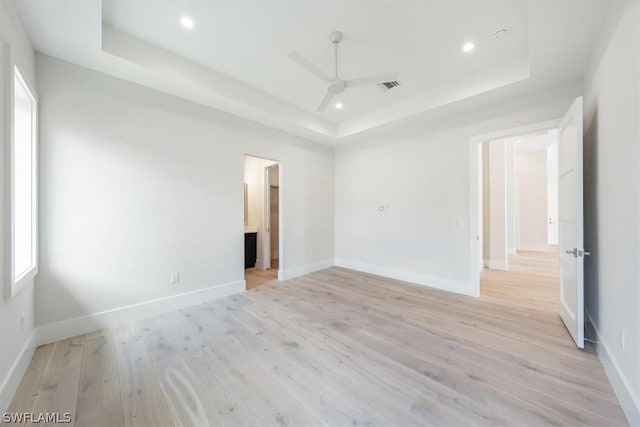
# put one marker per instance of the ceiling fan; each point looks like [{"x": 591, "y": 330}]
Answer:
[{"x": 336, "y": 84}]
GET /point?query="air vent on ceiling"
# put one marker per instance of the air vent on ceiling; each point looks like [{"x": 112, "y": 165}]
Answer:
[{"x": 385, "y": 86}]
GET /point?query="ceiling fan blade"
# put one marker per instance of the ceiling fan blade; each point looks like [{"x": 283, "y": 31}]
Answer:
[
  {"x": 325, "y": 101},
  {"x": 372, "y": 80},
  {"x": 304, "y": 62}
]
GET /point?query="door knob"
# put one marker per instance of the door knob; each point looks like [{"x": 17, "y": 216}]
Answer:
[{"x": 577, "y": 253}]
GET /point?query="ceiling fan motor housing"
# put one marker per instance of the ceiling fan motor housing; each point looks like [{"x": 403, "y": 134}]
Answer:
[
  {"x": 338, "y": 86},
  {"x": 335, "y": 37}
]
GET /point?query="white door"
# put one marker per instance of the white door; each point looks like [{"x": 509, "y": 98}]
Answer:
[{"x": 571, "y": 233}]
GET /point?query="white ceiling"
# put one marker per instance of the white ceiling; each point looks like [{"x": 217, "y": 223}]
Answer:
[
  {"x": 250, "y": 41},
  {"x": 235, "y": 58}
]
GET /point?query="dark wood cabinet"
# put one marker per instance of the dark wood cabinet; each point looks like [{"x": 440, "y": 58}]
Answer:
[{"x": 250, "y": 249}]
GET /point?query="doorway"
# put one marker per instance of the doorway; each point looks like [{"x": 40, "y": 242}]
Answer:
[
  {"x": 261, "y": 220},
  {"x": 519, "y": 244},
  {"x": 519, "y": 177},
  {"x": 570, "y": 227}
]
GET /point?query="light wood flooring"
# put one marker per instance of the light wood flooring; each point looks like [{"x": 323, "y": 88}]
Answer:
[
  {"x": 531, "y": 282},
  {"x": 257, "y": 276},
  {"x": 335, "y": 348}
]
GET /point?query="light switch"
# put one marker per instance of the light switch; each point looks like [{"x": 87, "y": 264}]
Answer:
[{"x": 461, "y": 223}]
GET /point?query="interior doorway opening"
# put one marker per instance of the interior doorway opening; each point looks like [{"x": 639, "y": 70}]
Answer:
[
  {"x": 519, "y": 178},
  {"x": 571, "y": 251},
  {"x": 262, "y": 220},
  {"x": 519, "y": 257}
]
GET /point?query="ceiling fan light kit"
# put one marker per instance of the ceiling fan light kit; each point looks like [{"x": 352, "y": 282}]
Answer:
[{"x": 336, "y": 84}]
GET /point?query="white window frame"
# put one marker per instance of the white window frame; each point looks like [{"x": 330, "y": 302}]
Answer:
[{"x": 13, "y": 285}]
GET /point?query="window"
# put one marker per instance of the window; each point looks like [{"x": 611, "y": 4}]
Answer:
[{"x": 24, "y": 180}]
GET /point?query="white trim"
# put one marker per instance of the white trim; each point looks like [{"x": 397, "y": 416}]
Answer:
[
  {"x": 53, "y": 332},
  {"x": 16, "y": 372},
  {"x": 267, "y": 256},
  {"x": 266, "y": 219},
  {"x": 474, "y": 193},
  {"x": 13, "y": 285},
  {"x": 498, "y": 265},
  {"x": 628, "y": 400},
  {"x": 6, "y": 167},
  {"x": 443, "y": 283},
  {"x": 292, "y": 273}
]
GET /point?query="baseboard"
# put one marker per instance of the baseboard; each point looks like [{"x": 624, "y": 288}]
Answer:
[
  {"x": 498, "y": 265},
  {"x": 16, "y": 372},
  {"x": 628, "y": 400},
  {"x": 259, "y": 264},
  {"x": 442, "y": 283},
  {"x": 110, "y": 318},
  {"x": 294, "y": 272},
  {"x": 535, "y": 248}
]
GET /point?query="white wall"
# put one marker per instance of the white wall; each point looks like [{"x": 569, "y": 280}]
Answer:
[
  {"x": 612, "y": 201},
  {"x": 423, "y": 176},
  {"x": 136, "y": 184},
  {"x": 498, "y": 205},
  {"x": 531, "y": 176},
  {"x": 14, "y": 339},
  {"x": 254, "y": 178}
]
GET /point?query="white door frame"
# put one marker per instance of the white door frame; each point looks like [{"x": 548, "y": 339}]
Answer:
[
  {"x": 475, "y": 215},
  {"x": 266, "y": 216},
  {"x": 266, "y": 225}
]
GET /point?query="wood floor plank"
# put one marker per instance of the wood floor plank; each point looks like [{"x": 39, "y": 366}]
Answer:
[
  {"x": 99, "y": 401},
  {"x": 262, "y": 399},
  {"x": 143, "y": 403},
  {"x": 27, "y": 391},
  {"x": 58, "y": 389}
]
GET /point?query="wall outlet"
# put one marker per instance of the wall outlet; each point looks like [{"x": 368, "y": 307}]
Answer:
[
  {"x": 21, "y": 322},
  {"x": 622, "y": 339},
  {"x": 383, "y": 208},
  {"x": 175, "y": 278}
]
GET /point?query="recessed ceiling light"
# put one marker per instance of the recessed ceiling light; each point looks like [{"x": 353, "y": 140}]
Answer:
[
  {"x": 468, "y": 47},
  {"x": 186, "y": 22},
  {"x": 338, "y": 105}
]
